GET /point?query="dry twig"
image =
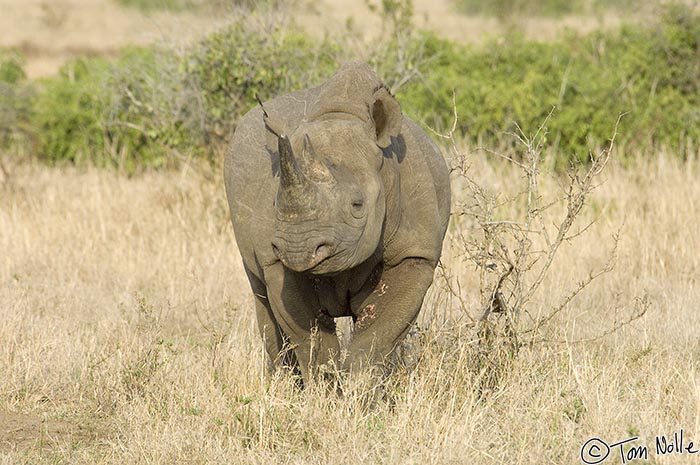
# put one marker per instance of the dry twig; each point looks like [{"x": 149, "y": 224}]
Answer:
[{"x": 514, "y": 256}]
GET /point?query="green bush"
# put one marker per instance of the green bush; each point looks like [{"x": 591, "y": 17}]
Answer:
[
  {"x": 150, "y": 5},
  {"x": 153, "y": 107},
  {"x": 181, "y": 5},
  {"x": 67, "y": 113},
  {"x": 651, "y": 73},
  {"x": 232, "y": 66},
  {"x": 11, "y": 68},
  {"x": 154, "y": 115},
  {"x": 15, "y": 100},
  {"x": 506, "y": 9},
  {"x": 134, "y": 112}
]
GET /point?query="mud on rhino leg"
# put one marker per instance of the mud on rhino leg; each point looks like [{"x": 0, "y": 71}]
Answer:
[
  {"x": 295, "y": 308},
  {"x": 384, "y": 317}
]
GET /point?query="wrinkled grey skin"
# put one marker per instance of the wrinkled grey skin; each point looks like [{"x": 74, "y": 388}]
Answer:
[{"x": 339, "y": 205}]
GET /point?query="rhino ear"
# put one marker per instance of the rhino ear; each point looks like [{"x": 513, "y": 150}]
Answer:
[{"x": 387, "y": 116}]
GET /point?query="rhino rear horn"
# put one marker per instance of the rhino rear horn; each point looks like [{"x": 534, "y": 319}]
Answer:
[{"x": 313, "y": 166}]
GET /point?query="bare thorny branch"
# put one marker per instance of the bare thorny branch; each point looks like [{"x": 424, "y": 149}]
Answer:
[{"x": 514, "y": 256}]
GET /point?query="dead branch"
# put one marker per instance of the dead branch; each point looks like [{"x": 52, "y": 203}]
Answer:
[{"x": 513, "y": 256}]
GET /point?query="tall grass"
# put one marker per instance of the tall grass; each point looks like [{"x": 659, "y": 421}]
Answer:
[{"x": 128, "y": 335}]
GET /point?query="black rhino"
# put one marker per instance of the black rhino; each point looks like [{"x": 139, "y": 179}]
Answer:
[{"x": 339, "y": 204}]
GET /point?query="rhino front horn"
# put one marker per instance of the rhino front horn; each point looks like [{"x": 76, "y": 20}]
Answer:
[{"x": 290, "y": 173}]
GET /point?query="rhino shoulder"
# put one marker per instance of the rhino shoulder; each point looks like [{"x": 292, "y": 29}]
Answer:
[{"x": 424, "y": 199}]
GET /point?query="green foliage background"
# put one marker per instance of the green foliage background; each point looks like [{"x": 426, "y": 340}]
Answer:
[
  {"x": 506, "y": 9},
  {"x": 651, "y": 73},
  {"x": 181, "y": 5},
  {"x": 15, "y": 100},
  {"x": 153, "y": 107}
]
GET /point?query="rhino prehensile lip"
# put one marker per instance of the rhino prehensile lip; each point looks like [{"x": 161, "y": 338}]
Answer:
[{"x": 310, "y": 269}]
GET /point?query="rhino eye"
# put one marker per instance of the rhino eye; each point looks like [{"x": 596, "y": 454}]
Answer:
[{"x": 358, "y": 208}]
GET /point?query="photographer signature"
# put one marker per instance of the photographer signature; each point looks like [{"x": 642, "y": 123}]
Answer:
[{"x": 596, "y": 450}]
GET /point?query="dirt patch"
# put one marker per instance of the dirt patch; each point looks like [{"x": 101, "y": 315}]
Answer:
[{"x": 22, "y": 431}]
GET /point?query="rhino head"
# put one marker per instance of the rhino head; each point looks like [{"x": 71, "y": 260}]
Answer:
[{"x": 330, "y": 202}]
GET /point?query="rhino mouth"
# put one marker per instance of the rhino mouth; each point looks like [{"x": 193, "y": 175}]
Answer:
[
  {"x": 332, "y": 266},
  {"x": 303, "y": 262},
  {"x": 315, "y": 256},
  {"x": 324, "y": 267}
]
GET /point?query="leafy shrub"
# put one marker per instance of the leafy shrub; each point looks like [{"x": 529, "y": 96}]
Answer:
[
  {"x": 505, "y": 9},
  {"x": 652, "y": 73},
  {"x": 180, "y": 5},
  {"x": 11, "y": 68},
  {"x": 134, "y": 112},
  {"x": 67, "y": 113},
  {"x": 152, "y": 107},
  {"x": 232, "y": 66},
  {"x": 154, "y": 114},
  {"x": 15, "y": 99},
  {"x": 149, "y": 5}
]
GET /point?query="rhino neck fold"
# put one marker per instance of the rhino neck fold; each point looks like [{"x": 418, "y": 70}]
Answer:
[{"x": 389, "y": 174}]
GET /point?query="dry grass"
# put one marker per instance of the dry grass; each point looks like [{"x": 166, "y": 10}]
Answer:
[{"x": 127, "y": 336}]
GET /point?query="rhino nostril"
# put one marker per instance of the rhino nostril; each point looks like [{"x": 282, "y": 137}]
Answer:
[
  {"x": 276, "y": 251},
  {"x": 322, "y": 251}
]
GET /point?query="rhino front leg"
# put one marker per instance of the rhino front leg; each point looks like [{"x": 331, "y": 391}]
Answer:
[
  {"x": 296, "y": 310},
  {"x": 269, "y": 329},
  {"x": 277, "y": 344},
  {"x": 383, "y": 318}
]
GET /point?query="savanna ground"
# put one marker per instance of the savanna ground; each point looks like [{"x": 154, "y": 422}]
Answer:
[{"x": 127, "y": 332}]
